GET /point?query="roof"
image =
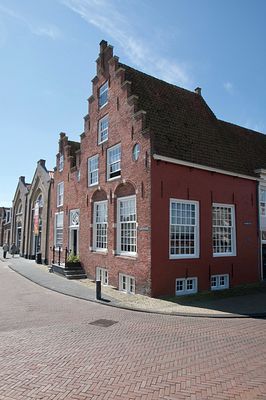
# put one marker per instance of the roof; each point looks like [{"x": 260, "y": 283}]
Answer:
[{"x": 183, "y": 127}]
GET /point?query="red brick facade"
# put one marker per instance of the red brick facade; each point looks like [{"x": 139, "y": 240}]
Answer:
[
  {"x": 153, "y": 183},
  {"x": 125, "y": 127},
  {"x": 206, "y": 187}
]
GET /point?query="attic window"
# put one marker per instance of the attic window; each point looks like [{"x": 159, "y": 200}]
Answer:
[
  {"x": 61, "y": 163},
  {"x": 103, "y": 95}
]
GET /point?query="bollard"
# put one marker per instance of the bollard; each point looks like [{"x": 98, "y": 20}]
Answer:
[{"x": 98, "y": 290}]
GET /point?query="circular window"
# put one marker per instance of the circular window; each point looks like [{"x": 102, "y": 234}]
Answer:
[{"x": 136, "y": 151}]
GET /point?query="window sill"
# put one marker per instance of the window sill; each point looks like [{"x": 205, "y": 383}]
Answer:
[
  {"x": 101, "y": 252},
  {"x": 127, "y": 256},
  {"x": 183, "y": 257},
  {"x": 93, "y": 184},
  {"x": 224, "y": 255},
  {"x": 104, "y": 141},
  {"x": 103, "y": 105},
  {"x": 213, "y": 289},
  {"x": 114, "y": 178}
]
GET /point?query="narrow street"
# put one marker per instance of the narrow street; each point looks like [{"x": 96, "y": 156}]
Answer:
[{"x": 52, "y": 347}]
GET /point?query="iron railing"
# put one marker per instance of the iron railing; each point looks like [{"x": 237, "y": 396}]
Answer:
[{"x": 60, "y": 255}]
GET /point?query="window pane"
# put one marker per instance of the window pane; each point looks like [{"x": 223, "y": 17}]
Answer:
[
  {"x": 103, "y": 94},
  {"x": 183, "y": 228},
  {"x": 93, "y": 166},
  {"x": 100, "y": 226},
  {"x": 113, "y": 160},
  {"x": 127, "y": 226},
  {"x": 223, "y": 229},
  {"x": 103, "y": 129}
]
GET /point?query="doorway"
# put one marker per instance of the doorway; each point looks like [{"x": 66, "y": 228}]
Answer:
[{"x": 73, "y": 241}]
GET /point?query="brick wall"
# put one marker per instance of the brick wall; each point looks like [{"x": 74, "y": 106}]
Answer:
[{"x": 125, "y": 127}]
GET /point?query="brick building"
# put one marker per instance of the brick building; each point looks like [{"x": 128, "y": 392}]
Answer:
[
  {"x": 19, "y": 215},
  {"x": 5, "y": 225},
  {"x": 160, "y": 196},
  {"x": 37, "y": 211}
]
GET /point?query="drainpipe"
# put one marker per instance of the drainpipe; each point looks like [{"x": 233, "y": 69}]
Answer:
[{"x": 260, "y": 266}]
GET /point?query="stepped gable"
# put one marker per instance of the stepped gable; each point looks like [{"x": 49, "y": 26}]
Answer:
[{"x": 183, "y": 127}]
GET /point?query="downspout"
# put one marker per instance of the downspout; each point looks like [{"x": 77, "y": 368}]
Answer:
[
  {"x": 46, "y": 256},
  {"x": 260, "y": 266}
]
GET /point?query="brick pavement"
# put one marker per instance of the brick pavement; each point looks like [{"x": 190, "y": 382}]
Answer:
[{"x": 49, "y": 350}]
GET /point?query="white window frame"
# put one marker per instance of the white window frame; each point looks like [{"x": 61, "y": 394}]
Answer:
[
  {"x": 56, "y": 228},
  {"x": 60, "y": 194},
  {"x": 102, "y": 275},
  {"x": 102, "y": 90},
  {"x": 102, "y": 223},
  {"x": 233, "y": 231},
  {"x": 93, "y": 172},
  {"x": 109, "y": 164},
  {"x": 218, "y": 279},
  {"x": 103, "y": 132},
  {"x": 196, "y": 229},
  {"x": 185, "y": 283},
  {"x": 263, "y": 201},
  {"x": 127, "y": 283},
  {"x": 119, "y": 230},
  {"x": 61, "y": 163}
]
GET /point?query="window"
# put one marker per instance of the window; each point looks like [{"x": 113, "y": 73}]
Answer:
[
  {"x": 219, "y": 282},
  {"x": 61, "y": 163},
  {"x": 60, "y": 194},
  {"x": 126, "y": 226},
  {"x": 93, "y": 170},
  {"x": 186, "y": 286},
  {"x": 127, "y": 283},
  {"x": 103, "y": 94},
  {"x": 263, "y": 202},
  {"x": 223, "y": 230},
  {"x": 114, "y": 162},
  {"x": 136, "y": 152},
  {"x": 58, "y": 237},
  {"x": 102, "y": 275},
  {"x": 7, "y": 216},
  {"x": 103, "y": 129},
  {"x": 100, "y": 226},
  {"x": 184, "y": 229}
]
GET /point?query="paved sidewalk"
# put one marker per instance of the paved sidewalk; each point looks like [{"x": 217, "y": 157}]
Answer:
[{"x": 231, "y": 307}]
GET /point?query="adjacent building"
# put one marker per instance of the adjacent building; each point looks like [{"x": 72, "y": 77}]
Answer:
[
  {"x": 37, "y": 211},
  {"x": 5, "y": 225},
  {"x": 160, "y": 196},
  {"x": 19, "y": 216}
]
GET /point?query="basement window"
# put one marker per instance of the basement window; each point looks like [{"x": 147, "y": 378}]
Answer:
[
  {"x": 186, "y": 286},
  {"x": 219, "y": 282}
]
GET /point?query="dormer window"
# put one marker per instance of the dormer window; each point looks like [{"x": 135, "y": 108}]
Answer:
[
  {"x": 103, "y": 95},
  {"x": 61, "y": 163},
  {"x": 103, "y": 129}
]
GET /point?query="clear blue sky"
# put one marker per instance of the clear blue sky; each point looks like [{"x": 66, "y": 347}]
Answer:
[{"x": 48, "y": 50}]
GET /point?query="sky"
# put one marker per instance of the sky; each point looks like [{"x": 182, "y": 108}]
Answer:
[{"x": 48, "y": 50}]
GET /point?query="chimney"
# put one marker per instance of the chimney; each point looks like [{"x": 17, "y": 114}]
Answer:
[
  {"x": 22, "y": 179},
  {"x": 198, "y": 91},
  {"x": 106, "y": 53},
  {"x": 103, "y": 45},
  {"x": 42, "y": 163}
]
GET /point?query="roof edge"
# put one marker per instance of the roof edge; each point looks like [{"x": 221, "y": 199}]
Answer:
[{"x": 204, "y": 167}]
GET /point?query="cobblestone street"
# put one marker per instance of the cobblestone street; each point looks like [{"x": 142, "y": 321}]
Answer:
[{"x": 52, "y": 347}]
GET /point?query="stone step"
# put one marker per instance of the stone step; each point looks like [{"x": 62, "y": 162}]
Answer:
[{"x": 79, "y": 276}]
